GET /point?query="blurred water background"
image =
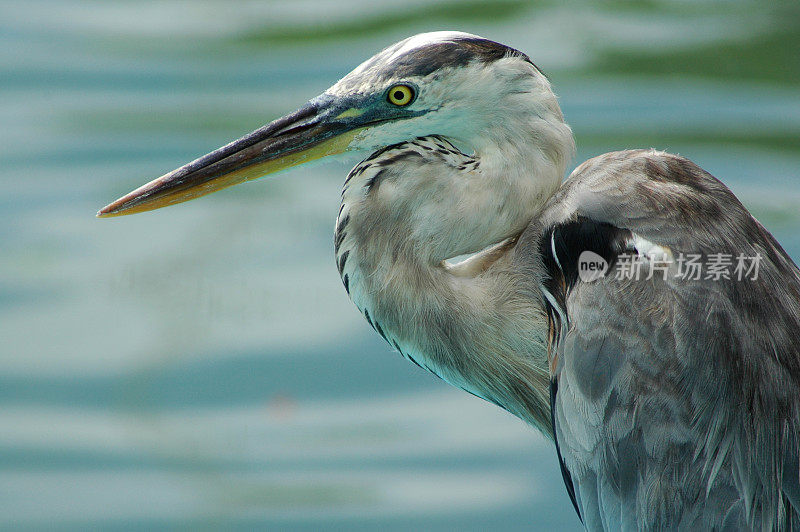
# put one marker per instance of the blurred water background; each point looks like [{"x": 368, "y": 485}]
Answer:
[{"x": 201, "y": 366}]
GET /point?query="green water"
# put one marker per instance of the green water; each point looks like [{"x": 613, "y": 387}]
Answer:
[{"x": 201, "y": 366}]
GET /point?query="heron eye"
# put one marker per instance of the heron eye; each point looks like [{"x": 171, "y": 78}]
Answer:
[{"x": 401, "y": 95}]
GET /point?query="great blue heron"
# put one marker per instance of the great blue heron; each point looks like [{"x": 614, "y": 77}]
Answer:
[{"x": 673, "y": 399}]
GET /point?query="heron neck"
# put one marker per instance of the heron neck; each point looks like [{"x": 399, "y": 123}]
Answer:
[{"x": 478, "y": 325}]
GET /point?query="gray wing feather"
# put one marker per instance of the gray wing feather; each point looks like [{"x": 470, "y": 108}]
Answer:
[{"x": 679, "y": 400}]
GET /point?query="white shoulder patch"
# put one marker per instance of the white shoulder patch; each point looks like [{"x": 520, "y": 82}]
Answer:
[{"x": 651, "y": 250}]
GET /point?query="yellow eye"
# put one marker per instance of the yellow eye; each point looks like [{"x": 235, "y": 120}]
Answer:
[{"x": 400, "y": 95}]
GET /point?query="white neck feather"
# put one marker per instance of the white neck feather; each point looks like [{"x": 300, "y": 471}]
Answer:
[
  {"x": 478, "y": 325},
  {"x": 407, "y": 208}
]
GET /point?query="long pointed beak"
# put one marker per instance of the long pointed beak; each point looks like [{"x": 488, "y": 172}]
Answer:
[{"x": 296, "y": 138}]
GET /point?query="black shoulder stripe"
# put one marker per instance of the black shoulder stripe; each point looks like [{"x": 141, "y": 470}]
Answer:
[
  {"x": 563, "y": 244},
  {"x": 564, "y": 471}
]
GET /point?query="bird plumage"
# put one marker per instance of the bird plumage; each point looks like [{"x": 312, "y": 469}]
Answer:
[
  {"x": 445, "y": 322},
  {"x": 677, "y": 402}
]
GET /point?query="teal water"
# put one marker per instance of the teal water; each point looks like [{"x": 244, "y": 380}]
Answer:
[{"x": 201, "y": 366}]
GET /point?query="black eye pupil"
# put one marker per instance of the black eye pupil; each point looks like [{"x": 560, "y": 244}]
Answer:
[{"x": 398, "y": 95}]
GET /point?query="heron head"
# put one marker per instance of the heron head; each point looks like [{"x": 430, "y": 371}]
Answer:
[
  {"x": 469, "y": 89},
  {"x": 474, "y": 91}
]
